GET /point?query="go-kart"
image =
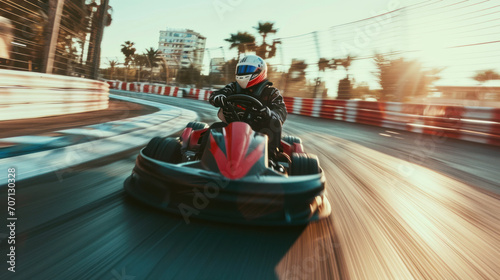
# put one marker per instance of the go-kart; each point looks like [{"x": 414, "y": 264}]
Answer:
[{"x": 224, "y": 174}]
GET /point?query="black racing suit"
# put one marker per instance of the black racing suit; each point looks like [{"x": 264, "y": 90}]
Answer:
[{"x": 269, "y": 96}]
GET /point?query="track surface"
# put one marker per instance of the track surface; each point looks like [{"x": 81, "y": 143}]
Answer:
[{"x": 391, "y": 219}]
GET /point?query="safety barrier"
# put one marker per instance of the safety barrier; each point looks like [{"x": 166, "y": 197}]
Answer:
[
  {"x": 476, "y": 124},
  {"x": 146, "y": 88},
  {"x": 26, "y": 95},
  {"x": 193, "y": 93}
]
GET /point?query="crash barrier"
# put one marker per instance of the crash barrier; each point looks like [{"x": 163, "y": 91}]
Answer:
[
  {"x": 146, "y": 88},
  {"x": 161, "y": 89},
  {"x": 476, "y": 124},
  {"x": 33, "y": 95}
]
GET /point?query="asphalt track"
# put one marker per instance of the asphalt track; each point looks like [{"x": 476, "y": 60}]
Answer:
[{"x": 404, "y": 206}]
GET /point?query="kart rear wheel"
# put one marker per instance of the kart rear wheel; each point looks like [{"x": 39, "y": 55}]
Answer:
[
  {"x": 197, "y": 125},
  {"x": 152, "y": 146},
  {"x": 169, "y": 150},
  {"x": 304, "y": 164},
  {"x": 291, "y": 139}
]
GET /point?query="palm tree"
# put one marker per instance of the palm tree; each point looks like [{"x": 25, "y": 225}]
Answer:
[
  {"x": 95, "y": 16},
  {"x": 297, "y": 71},
  {"x": 128, "y": 51},
  {"x": 140, "y": 60},
  {"x": 346, "y": 62},
  {"x": 265, "y": 28},
  {"x": 323, "y": 64},
  {"x": 152, "y": 56},
  {"x": 112, "y": 65},
  {"x": 486, "y": 75},
  {"x": 243, "y": 41}
]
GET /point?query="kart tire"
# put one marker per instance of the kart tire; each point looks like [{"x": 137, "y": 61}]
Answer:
[
  {"x": 291, "y": 139},
  {"x": 197, "y": 125},
  {"x": 304, "y": 164},
  {"x": 169, "y": 150},
  {"x": 152, "y": 146}
]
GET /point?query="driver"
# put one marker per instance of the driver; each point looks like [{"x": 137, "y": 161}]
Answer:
[{"x": 251, "y": 79}]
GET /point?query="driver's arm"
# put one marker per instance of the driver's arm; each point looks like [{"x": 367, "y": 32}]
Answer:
[
  {"x": 227, "y": 90},
  {"x": 277, "y": 105}
]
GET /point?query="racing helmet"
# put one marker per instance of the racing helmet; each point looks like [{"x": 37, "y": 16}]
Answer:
[{"x": 250, "y": 71}]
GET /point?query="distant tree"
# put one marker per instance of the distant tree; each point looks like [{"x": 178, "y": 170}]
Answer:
[
  {"x": 267, "y": 51},
  {"x": 297, "y": 71},
  {"x": 361, "y": 90},
  {"x": 344, "y": 89},
  {"x": 229, "y": 69},
  {"x": 401, "y": 79},
  {"x": 140, "y": 60},
  {"x": 243, "y": 41},
  {"x": 333, "y": 63},
  {"x": 264, "y": 50},
  {"x": 265, "y": 28},
  {"x": 345, "y": 62},
  {"x": 295, "y": 79},
  {"x": 128, "y": 51},
  {"x": 486, "y": 75},
  {"x": 189, "y": 75},
  {"x": 112, "y": 65},
  {"x": 152, "y": 57},
  {"x": 344, "y": 86},
  {"x": 323, "y": 64}
]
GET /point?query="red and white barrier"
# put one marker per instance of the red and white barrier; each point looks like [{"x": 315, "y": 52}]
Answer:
[
  {"x": 26, "y": 95},
  {"x": 477, "y": 124},
  {"x": 146, "y": 88}
]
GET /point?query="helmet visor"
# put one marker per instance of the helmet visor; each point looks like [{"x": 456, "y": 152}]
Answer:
[{"x": 245, "y": 69}]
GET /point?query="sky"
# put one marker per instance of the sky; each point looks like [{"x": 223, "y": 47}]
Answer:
[
  {"x": 141, "y": 21},
  {"x": 430, "y": 27}
]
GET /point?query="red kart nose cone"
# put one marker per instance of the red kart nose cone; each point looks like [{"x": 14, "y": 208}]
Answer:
[{"x": 239, "y": 156}]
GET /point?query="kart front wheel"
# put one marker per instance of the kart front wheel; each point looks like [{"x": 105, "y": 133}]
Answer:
[
  {"x": 304, "y": 164},
  {"x": 152, "y": 146},
  {"x": 169, "y": 150}
]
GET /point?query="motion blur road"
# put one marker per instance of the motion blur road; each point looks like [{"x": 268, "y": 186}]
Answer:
[{"x": 404, "y": 206}]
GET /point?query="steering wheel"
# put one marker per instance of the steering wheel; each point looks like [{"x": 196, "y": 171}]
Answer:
[{"x": 252, "y": 105}]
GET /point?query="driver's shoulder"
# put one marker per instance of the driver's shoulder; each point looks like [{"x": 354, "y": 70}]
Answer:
[{"x": 270, "y": 89}]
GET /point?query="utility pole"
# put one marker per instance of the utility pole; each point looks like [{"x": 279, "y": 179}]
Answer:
[
  {"x": 318, "y": 52},
  {"x": 283, "y": 83},
  {"x": 209, "y": 68},
  {"x": 226, "y": 73},
  {"x": 51, "y": 34},
  {"x": 100, "y": 32}
]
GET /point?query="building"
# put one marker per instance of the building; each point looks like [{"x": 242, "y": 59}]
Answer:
[
  {"x": 217, "y": 65},
  {"x": 182, "y": 48}
]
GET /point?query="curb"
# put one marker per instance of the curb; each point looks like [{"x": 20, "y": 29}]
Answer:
[{"x": 92, "y": 142}]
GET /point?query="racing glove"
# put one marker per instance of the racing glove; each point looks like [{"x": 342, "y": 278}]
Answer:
[{"x": 219, "y": 100}]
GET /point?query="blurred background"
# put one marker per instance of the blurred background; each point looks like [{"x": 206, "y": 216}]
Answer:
[
  {"x": 406, "y": 51},
  {"x": 399, "y": 100}
]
